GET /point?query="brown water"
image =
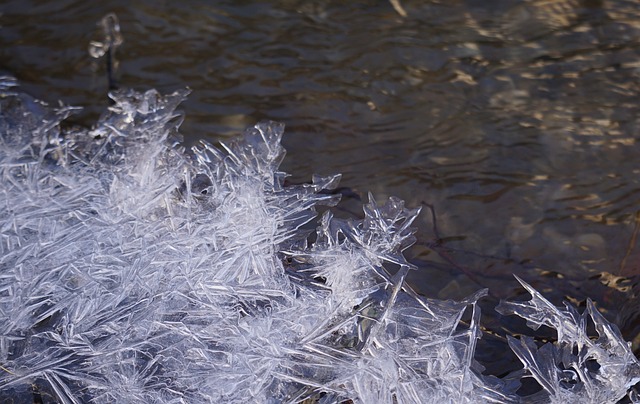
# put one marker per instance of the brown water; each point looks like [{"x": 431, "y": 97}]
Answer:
[{"x": 517, "y": 120}]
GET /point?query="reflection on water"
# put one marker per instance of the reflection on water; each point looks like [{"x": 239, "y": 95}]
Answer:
[{"x": 517, "y": 120}]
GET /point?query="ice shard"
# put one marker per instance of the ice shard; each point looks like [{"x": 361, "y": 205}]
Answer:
[{"x": 576, "y": 367}]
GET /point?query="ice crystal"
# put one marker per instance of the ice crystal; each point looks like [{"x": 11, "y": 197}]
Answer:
[
  {"x": 132, "y": 270},
  {"x": 576, "y": 367}
]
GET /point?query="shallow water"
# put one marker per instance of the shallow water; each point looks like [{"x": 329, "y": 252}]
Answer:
[{"x": 516, "y": 120}]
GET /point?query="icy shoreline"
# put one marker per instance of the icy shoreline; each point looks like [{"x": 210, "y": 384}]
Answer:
[{"x": 132, "y": 271}]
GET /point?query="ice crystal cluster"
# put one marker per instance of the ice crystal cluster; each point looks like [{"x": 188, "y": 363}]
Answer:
[{"x": 133, "y": 271}]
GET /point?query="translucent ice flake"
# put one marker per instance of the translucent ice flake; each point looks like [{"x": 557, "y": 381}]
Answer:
[
  {"x": 383, "y": 234},
  {"x": 29, "y": 127},
  {"x": 575, "y": 368}
]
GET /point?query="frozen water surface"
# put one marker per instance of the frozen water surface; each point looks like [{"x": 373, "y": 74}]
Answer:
[{"x": 132, "y": 270}]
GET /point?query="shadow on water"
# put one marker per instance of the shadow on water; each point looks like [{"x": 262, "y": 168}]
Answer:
[{"x": 517, "y": 120}]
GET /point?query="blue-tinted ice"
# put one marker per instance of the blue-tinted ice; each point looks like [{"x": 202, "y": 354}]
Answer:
[{"x": 133, "y": 271}]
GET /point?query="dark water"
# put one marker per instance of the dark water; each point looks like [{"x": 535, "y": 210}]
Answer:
[{"x": 518, "y": 121}]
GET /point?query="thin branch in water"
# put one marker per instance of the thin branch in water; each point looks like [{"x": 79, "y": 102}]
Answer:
[{"x": 632, "y": 243}]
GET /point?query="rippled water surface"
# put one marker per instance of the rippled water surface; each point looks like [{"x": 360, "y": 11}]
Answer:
[{"x": 517, "y": 121}]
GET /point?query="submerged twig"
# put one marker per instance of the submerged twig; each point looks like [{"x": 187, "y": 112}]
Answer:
[{"x": 632, "y": 243}]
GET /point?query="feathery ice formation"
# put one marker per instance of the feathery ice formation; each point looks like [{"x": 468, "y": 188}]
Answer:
[{"x": 134, "y": 271}]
